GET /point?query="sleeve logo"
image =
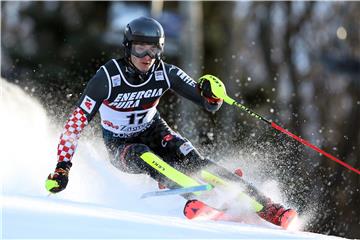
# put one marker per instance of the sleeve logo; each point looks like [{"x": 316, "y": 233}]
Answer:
[
  {"x": 116, "y": 80},
  {"x": 186, "y": 78},
  {"x": 159, "y": 76},
  {"x": 88, "y": 104}
]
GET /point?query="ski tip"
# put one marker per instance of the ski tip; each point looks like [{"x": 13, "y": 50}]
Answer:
[
  {"x": 192, "y": 207},
  {"x": 287, "y": 218},
  {"x": 195, "y": 209},
  {"x": 239, "y": 172}
]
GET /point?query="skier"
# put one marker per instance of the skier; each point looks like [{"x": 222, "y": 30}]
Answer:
[{"x": 126, "y": 92}]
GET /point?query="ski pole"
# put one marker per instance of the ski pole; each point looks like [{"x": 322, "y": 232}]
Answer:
[{"x": 218, "y": 89}]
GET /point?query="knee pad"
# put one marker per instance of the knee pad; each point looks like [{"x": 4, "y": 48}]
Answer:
[
  {"x": 178, "y": 145},
  {"x": 190, "y": 159}
]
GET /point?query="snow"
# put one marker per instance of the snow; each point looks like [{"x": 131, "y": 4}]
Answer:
[{"x": 100, "y": 201}]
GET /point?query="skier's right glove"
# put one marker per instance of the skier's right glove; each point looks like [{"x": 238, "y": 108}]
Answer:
[{"x": 58, "y": 180}]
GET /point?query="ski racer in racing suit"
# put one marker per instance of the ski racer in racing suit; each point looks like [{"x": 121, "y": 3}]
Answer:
[{"x": 126, "y": 92}]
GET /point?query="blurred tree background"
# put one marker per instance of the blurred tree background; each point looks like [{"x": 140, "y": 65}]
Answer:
[{"x": 297, "y": 63}]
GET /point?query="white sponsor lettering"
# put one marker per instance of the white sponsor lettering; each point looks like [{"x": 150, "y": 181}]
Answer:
[
  {"x": 131, "y": 100},
  {"x": 137, "y": 128},
  {"x": 88, "y": 104},
  {"x": 131, "y": 96},
  {"x": 127, "y": 104},
  {"x": 148, "y": 93},
  {"x": 186, "y": 78}
]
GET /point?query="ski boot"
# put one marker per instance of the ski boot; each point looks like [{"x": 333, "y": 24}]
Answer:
[{"x": 277, "y": 214}]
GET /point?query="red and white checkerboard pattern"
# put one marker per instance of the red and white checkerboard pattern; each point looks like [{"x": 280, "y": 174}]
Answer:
[{"x": 69, "y": 138}]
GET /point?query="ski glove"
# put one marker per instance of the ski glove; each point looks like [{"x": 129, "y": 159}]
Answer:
[
  {"x": 58, "y": 180},
  {"x": 207, "y": 83}
]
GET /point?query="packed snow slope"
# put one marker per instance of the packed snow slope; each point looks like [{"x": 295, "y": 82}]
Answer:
[{"x": 100, "y": 201}]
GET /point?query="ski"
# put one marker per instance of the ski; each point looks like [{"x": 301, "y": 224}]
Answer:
[
  {"x": 193, "y": 189},
  {"x": 196, "y": 209}
]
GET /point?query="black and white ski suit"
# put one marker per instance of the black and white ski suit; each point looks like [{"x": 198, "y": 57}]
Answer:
[{"x": 130, "y": 121}]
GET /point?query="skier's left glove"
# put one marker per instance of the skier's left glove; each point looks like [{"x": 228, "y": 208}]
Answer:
[
  {"x": 206, "y": 91},
  {"x": 58, "y": 180}
]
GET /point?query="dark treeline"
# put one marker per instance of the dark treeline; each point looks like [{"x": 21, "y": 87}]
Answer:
[{"x": 297, "y": 63}]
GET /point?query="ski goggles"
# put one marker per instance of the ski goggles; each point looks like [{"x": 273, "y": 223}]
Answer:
[{"x": 140, "y": 50}]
